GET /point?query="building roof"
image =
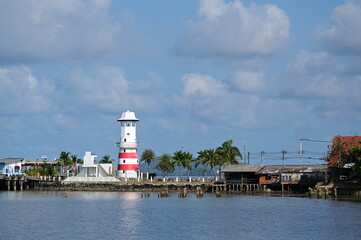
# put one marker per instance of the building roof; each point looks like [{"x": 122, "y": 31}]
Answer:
[
  {"x": 242, "y": 168},
  {"x": 6, "y": 160},
  {"x": 39, "y": 163},
  {"x": 269, "y": 169},
  {"x": 128, "y": 116}
]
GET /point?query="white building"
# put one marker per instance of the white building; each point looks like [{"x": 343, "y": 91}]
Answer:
[
  {"x": 91, "y": 172},
  {"x": 128, "y": 162},
  {"x": 10, "y": 165}
]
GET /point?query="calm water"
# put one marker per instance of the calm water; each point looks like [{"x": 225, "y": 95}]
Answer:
[{"x": 104, "y": 215}]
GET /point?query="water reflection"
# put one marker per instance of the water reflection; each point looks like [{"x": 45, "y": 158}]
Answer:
[
  {"x": 129, "y": 195},
  {"x": 130, "y": 215}
]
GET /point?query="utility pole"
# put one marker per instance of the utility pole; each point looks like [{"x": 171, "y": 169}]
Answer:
[
  {"x": 309, "y": 140},
  {"x": 248, "y": 158},
  {"x": 283, "y": 157},
  {"x": 301, "y": 151},
  {"x": 262, "y": 153},
  {"x": 244, "y": 154}
]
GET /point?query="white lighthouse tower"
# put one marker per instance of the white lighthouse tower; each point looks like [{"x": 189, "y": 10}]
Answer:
[{"x": 128, "y": 162}]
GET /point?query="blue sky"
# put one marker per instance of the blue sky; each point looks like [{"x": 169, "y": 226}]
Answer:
[{"x": 197, "y": 73}]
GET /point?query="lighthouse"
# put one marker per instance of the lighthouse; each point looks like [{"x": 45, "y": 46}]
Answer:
[{"x": 128, "y": 162}]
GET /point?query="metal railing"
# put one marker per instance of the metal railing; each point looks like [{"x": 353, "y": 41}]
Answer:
[{"x": 127, "y": 144}]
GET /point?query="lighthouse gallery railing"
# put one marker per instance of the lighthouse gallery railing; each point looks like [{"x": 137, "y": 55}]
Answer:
[{"x": 127, "y": 145}]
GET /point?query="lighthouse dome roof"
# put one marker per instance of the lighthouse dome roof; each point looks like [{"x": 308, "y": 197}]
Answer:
[{"x": 128, "y": 116}]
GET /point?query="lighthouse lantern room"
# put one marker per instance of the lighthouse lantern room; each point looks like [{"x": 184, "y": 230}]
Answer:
[{"x": 128, "y": 162}]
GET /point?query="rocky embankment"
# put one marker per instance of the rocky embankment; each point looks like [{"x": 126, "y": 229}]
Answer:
[
  {"x": 124, "y": 186},
  {"x": 323, "y": 190}
]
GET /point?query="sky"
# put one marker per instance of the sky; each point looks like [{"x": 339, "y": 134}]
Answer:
[{"x": 196, "y": 73}]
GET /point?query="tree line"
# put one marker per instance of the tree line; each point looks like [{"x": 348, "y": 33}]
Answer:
[{"x": 212, "y": 158}]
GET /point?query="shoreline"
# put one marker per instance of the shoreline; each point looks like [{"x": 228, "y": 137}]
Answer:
[{"x": 125, "y": 186}]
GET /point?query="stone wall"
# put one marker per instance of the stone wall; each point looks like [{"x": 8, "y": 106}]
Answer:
[{"x": 120, "y": 187}]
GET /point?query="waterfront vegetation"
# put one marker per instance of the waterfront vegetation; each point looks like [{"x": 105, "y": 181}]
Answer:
[
  {"x": 148, "y": 156},
  {"x": 208, "y": 158},
  {"x": 106, "y": 159},
  {"x": 345, "y": 153}
]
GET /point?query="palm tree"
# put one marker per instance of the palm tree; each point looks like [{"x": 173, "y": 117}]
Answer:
[
  {"x": 179, "y": 158},
  {"x": 188, "y": 159},
  {"x": 64, "y": 159},
  {"x": 148, "y": 156},
  {"x": 228, "y": 154},
  {"x": 106, "y": 159},
  {"x": 74, "y": 160},
  {"x": 166, "y": 164},
  {"x": 209, "y": 157}
]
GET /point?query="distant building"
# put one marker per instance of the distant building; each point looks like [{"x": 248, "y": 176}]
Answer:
[
  {"x": 10, "y": 165},
  {"x": 27, "y": 166},
  {"x": 275, "y": 176},
  {"x": 244, "y": 174},
  {"x": 92, "y": 172}
]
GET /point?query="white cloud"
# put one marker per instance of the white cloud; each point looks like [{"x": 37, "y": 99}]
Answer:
[
  {"x": 21, "y": 93},
  {"x": 230, "y": 30},
  {"x": 107, "y": 88},
  {"x": 51, "y": 30},
  {"x": 202, "y": 85},
  {"x": 208, "y": 98},
  {"x": 246, "y": 81},
  {"x": 344, "y": 35},
  {"x": 318, "y": 75}
]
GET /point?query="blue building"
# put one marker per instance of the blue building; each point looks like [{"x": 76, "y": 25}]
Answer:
[{"x": 10, "y": 165}]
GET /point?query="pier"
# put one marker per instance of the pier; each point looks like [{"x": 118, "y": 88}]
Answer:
[{"x": 20, "y": 182}]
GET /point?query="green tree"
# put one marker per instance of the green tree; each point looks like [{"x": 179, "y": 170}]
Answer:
[
  {"x": 188, "y": 160},
  {"x": 148, "y": 156},
  {"x": 47, "y": 170},
  {"x": 229, "y": 155},
  {"x": 64, "y": 159},
  {"x": 355, "y": 157},
  {"x": 209, "y": 157},
  {"x": 166, "y": 164},
  {"x": 179, "y": 158},
  {"x": 74, "y": 161},
  {"x": 106, "y": 159}
]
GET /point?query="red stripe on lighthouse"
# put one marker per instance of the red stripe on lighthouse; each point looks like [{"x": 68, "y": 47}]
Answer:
[
  {"x": 134, "y": 167},
  {"x": 128, "y": 155}
]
